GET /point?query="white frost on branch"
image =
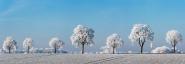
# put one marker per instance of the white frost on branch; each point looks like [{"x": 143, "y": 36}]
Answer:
[
  {"x": 140, "y": 34},
  {"x": 141, "y": 31},
  {"x": 9, "y": 45},
  {"x": 82, "y": 35},
  {"x": 113, "y": 41},
  {"x": 28, "y": 43},
  {"x": 56, "y": 43},
  {"x": 173, "y": 37}
]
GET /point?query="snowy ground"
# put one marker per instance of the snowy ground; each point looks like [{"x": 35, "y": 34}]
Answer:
[{"x": 92, "y": 59}]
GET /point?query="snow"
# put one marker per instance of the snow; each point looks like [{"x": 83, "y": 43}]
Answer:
[
  {"x": 92, "y": 59},
  {"x": 165, "y": 50},
  {"x": 162, "y": 49},
  {"x": 106, "y": 50}
]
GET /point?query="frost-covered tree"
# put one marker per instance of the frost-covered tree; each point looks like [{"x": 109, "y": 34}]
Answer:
[
  {"x": 9, "y": 44},
  {"x": 173, "y": 37},
  {"x": 162, "y": 49},
  {"x": 140, "y": 34},
  {"x": 56, "y": 43},
  {"x": 114, "y": 41},
  {"x": 27, "y": 44},
  {"x": 82, "y": 36}
]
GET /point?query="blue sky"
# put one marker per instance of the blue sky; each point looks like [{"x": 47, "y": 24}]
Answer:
[{"x": 43, "y": 19}]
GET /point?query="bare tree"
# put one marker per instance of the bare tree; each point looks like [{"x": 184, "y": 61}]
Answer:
[
  {"x": 173, "y": 37},
  {"x": 82, "y": 36},
  {"x": 27, "y": 44},
  {"x": 140, "y": 34},
  {"x": 56, "y": 43}
]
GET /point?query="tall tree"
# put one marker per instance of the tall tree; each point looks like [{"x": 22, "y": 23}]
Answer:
[
  {"x": 114, "y": 41},
  {"x": 82, "y": 36},
  {"x": 56, "y": 43},
  {"x": 173, "y": 37},
  {"x": 27, "y": 44},
  {"x": 9, "y": 45},
  {"x": 141, "y": 33}
]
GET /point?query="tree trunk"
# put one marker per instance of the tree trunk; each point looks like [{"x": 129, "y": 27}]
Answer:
[
  {"x": 9, "y": 50},
  {"x": 55, "y": 50},
  {"x": 141, "y": 51},
  {"x": 174, "y": 51},
  {"x": 174, "y": 45},
  {"x": 28, "y": 50},
  {"x": 83, "y": 48},
  {"x": 113, "y": 50},
  {"x": 141, "y": 44}
]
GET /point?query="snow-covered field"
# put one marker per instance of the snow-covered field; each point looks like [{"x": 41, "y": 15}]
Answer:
[{"x": 92, "y": 59}]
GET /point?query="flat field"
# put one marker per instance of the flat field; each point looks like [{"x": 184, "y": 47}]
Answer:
[{"x": 92, "y": 58}]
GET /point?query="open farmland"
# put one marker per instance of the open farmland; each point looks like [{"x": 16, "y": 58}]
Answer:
[{"x": 92, "y": 59}]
